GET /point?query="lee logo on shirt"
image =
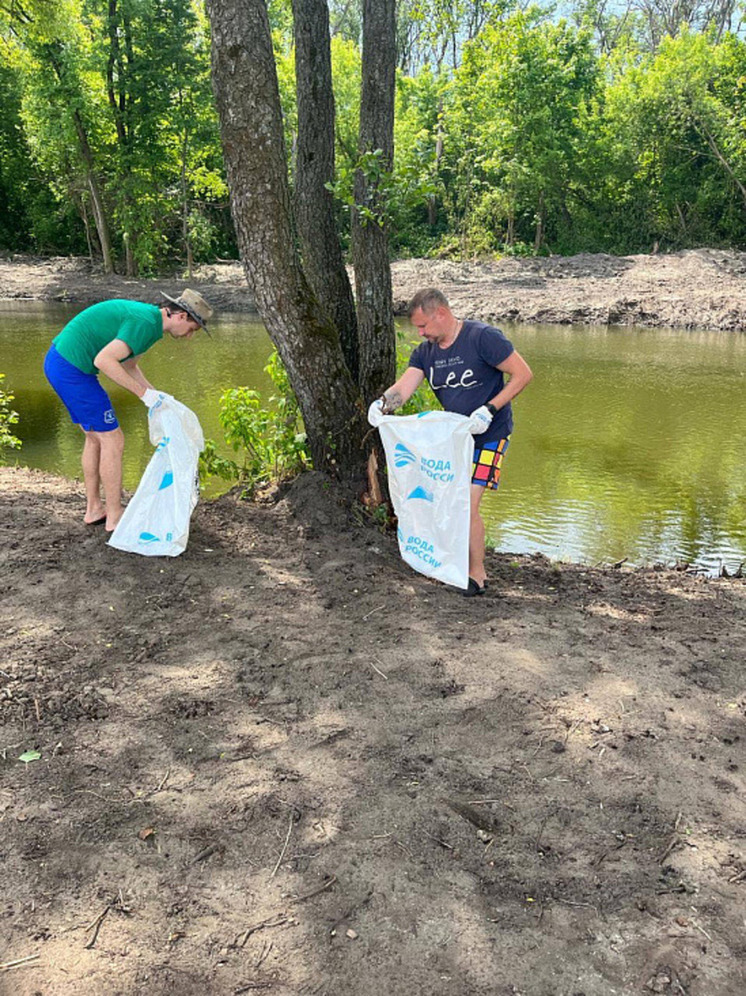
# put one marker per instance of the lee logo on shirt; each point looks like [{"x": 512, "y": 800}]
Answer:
[{"x": 452, "y": 380}]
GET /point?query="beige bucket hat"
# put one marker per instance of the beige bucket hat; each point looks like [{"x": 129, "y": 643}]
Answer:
[{"x": 194, "y": 305}]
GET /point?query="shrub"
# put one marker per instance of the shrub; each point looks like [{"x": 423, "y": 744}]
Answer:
[{"x": 8, "y": 417}]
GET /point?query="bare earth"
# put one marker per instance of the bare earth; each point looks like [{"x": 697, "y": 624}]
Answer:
[
  {"x": 702, "y": 288},
  {"x": 285, "y": 763}
]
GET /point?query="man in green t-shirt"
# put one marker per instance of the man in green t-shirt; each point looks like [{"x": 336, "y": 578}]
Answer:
[{"x": 109, "y": 338}]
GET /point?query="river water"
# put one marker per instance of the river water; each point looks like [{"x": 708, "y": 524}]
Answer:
[{"x": 629, "y": 444}]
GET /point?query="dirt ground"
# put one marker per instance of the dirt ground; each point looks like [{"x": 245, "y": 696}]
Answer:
[
  {"x": 700, "y": 288},
  {"x": 285, "y": 763}
]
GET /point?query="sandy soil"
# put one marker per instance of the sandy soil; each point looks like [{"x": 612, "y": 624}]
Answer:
[
  {"x": 285, "y": 763},
  {"x": 702, "y": 288}
]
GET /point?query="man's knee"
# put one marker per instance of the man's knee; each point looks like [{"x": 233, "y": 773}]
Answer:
[
  {"x": 477, "y": 493},
  {"x": 110, "y": 442}
]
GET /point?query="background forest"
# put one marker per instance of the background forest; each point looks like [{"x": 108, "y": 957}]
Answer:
[{"x": 519, "y": 129}]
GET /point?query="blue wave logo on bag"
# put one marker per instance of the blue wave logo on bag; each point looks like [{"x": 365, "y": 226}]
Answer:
[
  {"x": 421, "y": 493},
  {"x": 403, "y": 456},
  {"x": 167, "y": 481}
]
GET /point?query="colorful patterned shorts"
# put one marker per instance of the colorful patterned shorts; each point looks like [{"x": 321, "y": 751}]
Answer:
[{"x": 487, "y": 463}]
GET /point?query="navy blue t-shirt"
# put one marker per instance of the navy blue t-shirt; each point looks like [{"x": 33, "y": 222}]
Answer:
[{"x": 464, "y": 376}]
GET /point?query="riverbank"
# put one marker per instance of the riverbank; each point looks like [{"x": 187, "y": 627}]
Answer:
[
  {"x": 697, "y": 289},
  {"x": 284, "y": 762}
]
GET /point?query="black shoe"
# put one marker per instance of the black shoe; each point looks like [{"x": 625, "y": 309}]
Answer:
[{"x": 474, "y": 589}]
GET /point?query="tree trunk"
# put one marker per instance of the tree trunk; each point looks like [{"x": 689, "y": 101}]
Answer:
[
  {"x": 432, "y": 201},
  {"x": 116, "y": 89},
  {"x": 97, "y": 203},
  {"x": 540, "y": 219},
  {"x": 723, "y": 161},
  {"x": 248, "y": 102},
  {"x": 314, "y": 168},
  {"x": 83, "y": 211},
  {"x": 185, "y": 206},
  {"x": 370, "y": 246}
]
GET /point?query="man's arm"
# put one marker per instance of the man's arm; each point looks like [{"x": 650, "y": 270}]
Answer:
[
  {"x": 108, "y": 361},
  {"x": 400, "y": 392},
  {"x": 132, "y": 367},
  {"x": 520, "y": 375}
]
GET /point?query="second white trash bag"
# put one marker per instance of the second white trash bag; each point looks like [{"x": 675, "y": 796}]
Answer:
[
  {"x": 429, "y": 459},
  {"x": 156, "y": 521}
]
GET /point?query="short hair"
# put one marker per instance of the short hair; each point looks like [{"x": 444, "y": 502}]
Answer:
[{"x": 427, "y": 299}]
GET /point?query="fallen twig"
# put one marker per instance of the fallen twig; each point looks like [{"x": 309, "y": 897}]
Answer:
[
  {"x": 4, "y": 966},
  {"x": 739, "y": 877},
  {"x": 471, "y": 815},
  {"x": 96, "y": 925},
  {"x": 161, "y": 783},
  {"x": 284, "y": 847},
  {"x": 372, "y": 611},
  {"x": 674, "y": 842},
  {"x": 378, "y": 671},
  {"x": 315, "y": 892},
  {"x": 207, "y": 852},
  {"x": 437, "y": 840},
  {"x": 265, "y": 951},
  {"x": 276, "y": 920}
]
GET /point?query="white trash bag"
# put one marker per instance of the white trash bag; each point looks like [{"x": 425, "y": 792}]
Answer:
[
  {"x": 429, "y": 459},
  {"x": 156, "y": 521}
]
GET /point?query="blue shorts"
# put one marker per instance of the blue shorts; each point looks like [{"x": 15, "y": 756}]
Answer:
[{"x": 86, "y": 401}]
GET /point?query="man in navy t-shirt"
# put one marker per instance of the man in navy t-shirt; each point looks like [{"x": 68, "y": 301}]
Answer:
[{"x": 465, "y": 363}]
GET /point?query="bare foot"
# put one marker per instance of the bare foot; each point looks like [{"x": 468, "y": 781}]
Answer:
[
  {"x": 112, "y": 519},
  {"x": 95, "y": 516}
]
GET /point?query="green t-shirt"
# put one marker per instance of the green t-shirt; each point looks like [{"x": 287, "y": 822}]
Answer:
[{"x": 83, "y": 338}]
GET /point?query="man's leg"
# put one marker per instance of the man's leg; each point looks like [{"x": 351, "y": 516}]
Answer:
[
  {"x": 91, "y": 476},
  {"x": 476, "y": 536},
  {"x": 110, "y": 470}
]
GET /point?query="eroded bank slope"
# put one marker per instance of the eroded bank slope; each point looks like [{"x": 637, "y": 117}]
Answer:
[{"x": 702, "y": 288}]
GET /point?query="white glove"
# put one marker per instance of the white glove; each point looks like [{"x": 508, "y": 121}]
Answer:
[
  {"x": 375, "y": 412},
  {"x": 479, "y": 420},
  {"x": 152, "y": 397}
]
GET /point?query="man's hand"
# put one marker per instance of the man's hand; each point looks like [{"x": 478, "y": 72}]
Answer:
[
  {"x": 479, "y": 420},
  {"x": 152, "y": 397}
]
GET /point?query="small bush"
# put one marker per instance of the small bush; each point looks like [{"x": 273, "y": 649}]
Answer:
[
  {"x": 269, "y": 437},
  {"x": 8, "y": 417}
]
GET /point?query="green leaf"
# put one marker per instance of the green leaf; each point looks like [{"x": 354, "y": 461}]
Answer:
[{"x": 30, "y": 755}]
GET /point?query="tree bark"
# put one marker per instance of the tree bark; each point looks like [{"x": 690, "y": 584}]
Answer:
[
  {"x": 314, "y": 168},
  {"x": 97, "y": 201},
  {"x": 370, "y": 245},
  {"x": 118, "y": 102},
  {"x": 248, "y": 103}
]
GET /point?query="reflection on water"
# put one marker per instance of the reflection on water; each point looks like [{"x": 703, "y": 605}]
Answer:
[{"x": 629, "y": 443}]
